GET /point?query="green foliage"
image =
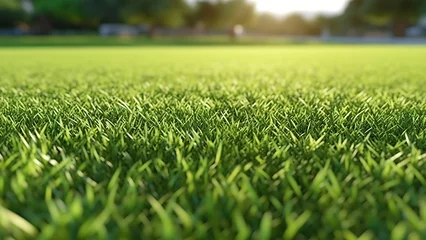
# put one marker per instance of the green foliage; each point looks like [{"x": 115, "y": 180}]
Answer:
[
  {"x": 394, "y": 9},
  {"x": 238, "y": 12},
  {"x": 295, "y": 24},
  {"x": 10, "y": 4},
  {"x": 105, "y": 11},
  {"x": 63, "y": 11},
  {"x": 224, "y": 14},
  {"x": 354, "y": 14},
  {"x": 89, "y": 13},
  {"x": 10, "y": 13},
  {"x": 267, "y": 23},
  {"x": 159, "y": 12},
  {"x": 312, "y": 142},
  {"x": 398, "y": 13}
]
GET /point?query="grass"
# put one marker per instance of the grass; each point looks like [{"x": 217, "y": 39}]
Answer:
[
  {"x": 293, "y": 142},
  {"x": 97, "y": 41}
]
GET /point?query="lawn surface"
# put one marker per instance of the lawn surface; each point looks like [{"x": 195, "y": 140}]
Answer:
[
  {"x": 315, "y": 142},
  {"x": 97, "y": 41}
]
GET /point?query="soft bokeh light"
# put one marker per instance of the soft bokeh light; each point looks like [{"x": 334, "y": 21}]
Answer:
[{"x": 304, "y": 6}]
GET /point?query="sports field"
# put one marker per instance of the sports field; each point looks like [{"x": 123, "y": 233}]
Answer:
[{"x": 205, "y": 142}]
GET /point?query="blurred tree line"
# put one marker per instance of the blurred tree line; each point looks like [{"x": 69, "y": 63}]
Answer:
[
  {"x": 44, "y": 15},
  {"x": 394, "y": 15}
]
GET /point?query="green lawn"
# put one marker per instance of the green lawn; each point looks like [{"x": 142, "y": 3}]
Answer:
[
  {"x": 318, "y": 142},
  {"x": 97, "y": 41}
]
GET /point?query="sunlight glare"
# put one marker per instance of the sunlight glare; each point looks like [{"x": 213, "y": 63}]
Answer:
[{"x": 303, "y": 6}]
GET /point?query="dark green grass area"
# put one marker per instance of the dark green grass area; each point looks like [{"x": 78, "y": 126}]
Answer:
[
  {"x": 97, "y": 41},
  {"x": 313, "y": 142}
]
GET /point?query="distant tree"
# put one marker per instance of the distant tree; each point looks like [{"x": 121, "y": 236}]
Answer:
[
  {"x": 225, "y": 14},
  {"x": 295, "y": 24},
  {"x": 354, "y": 16},
  {"x": 90, "y": 13},
  {"x": 10, "y": 13},
  {"x": 291, "y": 25},
  {"x": 105, "y": 11},
  {"x": 238, "y": 12},
  {"x": 266, "y": 23},
  {"x": 335, "y": 26},
  {"x": 318, "y": 24},
  {"x": 170, "y": 13},
  {"x": 63, "y": 14},
  {"x": 220, "y": 14},
  {"x": 398, "y": 13},
  {"x": 208, "y": 13}
]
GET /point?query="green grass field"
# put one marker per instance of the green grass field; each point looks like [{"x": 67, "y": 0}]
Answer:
[
  {"x": 293, "y": 142},
  {"x": 97, "y": 41}
]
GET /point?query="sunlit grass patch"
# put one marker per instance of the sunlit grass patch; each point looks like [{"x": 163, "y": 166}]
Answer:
[{"x": 288, "y": 142}]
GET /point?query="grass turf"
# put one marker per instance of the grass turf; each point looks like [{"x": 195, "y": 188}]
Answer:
[
  {"x": 314, "y": 142},
  {"x": 97, "y": 41}
]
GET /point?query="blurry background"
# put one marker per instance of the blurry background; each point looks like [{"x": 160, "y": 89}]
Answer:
[{"x": 312, "y": 19}]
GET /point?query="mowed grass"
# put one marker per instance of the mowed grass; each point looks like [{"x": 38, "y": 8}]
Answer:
[{"x": 304, "y": 142}]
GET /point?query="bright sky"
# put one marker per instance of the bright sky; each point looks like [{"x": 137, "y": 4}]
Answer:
[{"x": 304, "y": 6}]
